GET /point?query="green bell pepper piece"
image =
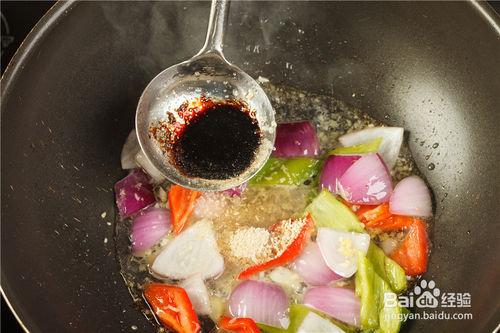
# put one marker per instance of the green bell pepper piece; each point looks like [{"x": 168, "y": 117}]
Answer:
[
  {"x": 327, "y": 211},
  {"x": 297, "y": 314},
  {"x": 291, "y": 171},
  {"x": 271, "y": 329},
  {"x": 386, "y": 268},
  {"x": 366, "y": 289},
  {"x": 364, "y": 148},
  {"x": 371, "y": 288}
]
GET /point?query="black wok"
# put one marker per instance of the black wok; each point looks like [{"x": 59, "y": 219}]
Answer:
[{"x": 69, "y": 97}]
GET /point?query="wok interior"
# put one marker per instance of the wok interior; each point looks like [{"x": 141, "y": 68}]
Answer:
[{"x": 429, "y": 67}]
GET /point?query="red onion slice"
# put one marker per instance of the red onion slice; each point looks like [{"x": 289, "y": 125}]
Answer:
[
  {"x": 392, "y": 138},
  {"x": 366, "y": 182},
  {"x": 133, "y": 193},
  {"x": 148, "y": 227},
  {"x": 311, "y": 266},
  {"x": 264, "y": 302},
  {"x": 236, "y": 191},
  {"x": 296, "y": 139},
  {"x": 335, "y": 166},
  {"x": 340, "y": 303},
  {"x": 411, "y": 197}
]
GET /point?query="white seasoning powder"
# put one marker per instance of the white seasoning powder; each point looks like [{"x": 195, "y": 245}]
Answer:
[{"x": 249, "y": 243}]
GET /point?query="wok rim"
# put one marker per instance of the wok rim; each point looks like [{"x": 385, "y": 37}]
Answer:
[{"x": 37, "y": 35}]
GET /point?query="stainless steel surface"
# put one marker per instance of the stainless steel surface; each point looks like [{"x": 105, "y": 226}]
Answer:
[{"x": 210, "y": 75}]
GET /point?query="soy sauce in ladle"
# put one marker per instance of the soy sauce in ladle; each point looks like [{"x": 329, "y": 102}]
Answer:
[
  {"x": 204, "y": 123},
  {"x": 219, "y": 141}
]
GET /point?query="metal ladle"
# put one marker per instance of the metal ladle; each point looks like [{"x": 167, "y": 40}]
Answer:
[{"x": 210, "y": 75}]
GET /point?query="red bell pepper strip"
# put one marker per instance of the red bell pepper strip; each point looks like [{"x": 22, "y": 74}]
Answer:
[
  {"x": 291, "y": 252},
  {"x": 413, "y": 251},
  {"x": 181, "y": 201},
  {"x": 379, "y": 217},
  {"x": 372, "y": 214},
  {"x": 394, "y": 222},
  {"x": 172, "y": 307},
  {"x": 238, "y": 325}
]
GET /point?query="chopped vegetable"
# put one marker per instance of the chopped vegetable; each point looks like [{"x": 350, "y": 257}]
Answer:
[
  {"x": 334, "y": 168},
  {"x": 181, "y": 201},
  {"x": 193, "y": 252},
  {"x": 238, "y": 325},
  {"x": 198, "y": 294},
  {"x": 364, "y": 148},
  {"x": 143, "y": 161},
  {"x": 286, "y": 278},
  {"x": 298, "y": 312},
  {"x": 366, "y": 284},
  {"x": 133, "y": 193},
  {"x": 314, "y": 323},
  {"x": 236, "y": 191},
  {"x": 296, "y": 139},
  {"x": 312, "y": 267},
  {"x": 129, "y": 150},
  {"x": 374, "y": 215},
  {"x": 392, "y": 138},
  {"x": 148, "y": 227},
  {"x": 340, "y": 303},
  {"x": 388, "y": 245},
  {"x": 292, "y": 171},
  {"x": 387, "y": 268},
  {"x": 413, "y": 251},
  {"x": 289, "y": 254},
  {"x": 327, "y": 211},
  {"x": 411, "y": 197},
  {"x": 340, "y": 249},
  {"x": 264, "y": 302},
  {"x": 366, "y": 182},
  {"x": 392, "y": 223},
  {"x": 371, "y": 288},
  {"x": 172, "y": 307}
]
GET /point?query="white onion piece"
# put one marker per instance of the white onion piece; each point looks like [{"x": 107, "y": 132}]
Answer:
[
  {"x": 340, "y": 249},
  {"x": 388, "y": 245},
  {"x": 411, "y": 197},
  {"x": 150, "y": 169},
  {"x": 311, "y": 266},
  {"x": 193, "y": 252},
  {"x": 314, "y": 323},
  {"x": 198, "y": 294},
  {"x": 264, "y": 302},
  {"x": 392, "y": 138},
  {"x": 129, "y": 150},
  {"x": 340, "y": 303},
  {"x": 286, "y": 278},
  {"x": 148, "y": 227},
  {"x": 366, "y": 182}
]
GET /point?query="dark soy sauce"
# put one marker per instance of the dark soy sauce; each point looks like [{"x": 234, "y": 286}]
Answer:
[{"x": 218, "y": 143}]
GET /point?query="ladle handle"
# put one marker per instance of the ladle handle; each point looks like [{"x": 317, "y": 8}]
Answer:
[{"x": 215, "y": 33}]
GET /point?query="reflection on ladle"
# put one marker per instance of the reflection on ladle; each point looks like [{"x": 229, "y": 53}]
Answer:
[{"x": 204, "y": 123}]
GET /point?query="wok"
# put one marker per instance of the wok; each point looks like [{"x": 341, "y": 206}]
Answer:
[{"x": 68, "y": 103}]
